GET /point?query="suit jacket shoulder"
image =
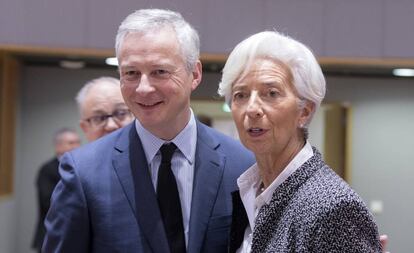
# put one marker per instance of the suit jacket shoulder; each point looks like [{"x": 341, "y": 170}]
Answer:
[
  {"x": 91, "y": 211},
  {"x": 236, "y": 154}
]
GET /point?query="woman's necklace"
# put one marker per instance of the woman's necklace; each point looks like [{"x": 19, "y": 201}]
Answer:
[{"x": 261, "y": 188}]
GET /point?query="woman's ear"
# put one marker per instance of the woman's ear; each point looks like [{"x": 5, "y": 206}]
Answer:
[{"x": 306, "y": 113}]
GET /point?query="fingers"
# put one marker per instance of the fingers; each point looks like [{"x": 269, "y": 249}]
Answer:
[{"x": 384, "y": 242}]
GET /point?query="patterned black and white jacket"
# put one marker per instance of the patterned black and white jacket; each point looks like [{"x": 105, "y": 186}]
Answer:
[{"x": 314, "y": 210}]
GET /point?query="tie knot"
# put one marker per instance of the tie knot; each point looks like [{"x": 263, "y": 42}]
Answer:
[{"x": 167, "y": 151}]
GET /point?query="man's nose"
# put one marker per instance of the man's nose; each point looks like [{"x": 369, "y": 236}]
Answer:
[
  {"x": 144, "y": 85},
  {"x": 111, "y": 125}
]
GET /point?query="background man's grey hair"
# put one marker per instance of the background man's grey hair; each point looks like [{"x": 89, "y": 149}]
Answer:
[
  {"x": 150, "y": 20},
  {"x": 105, "y": 80},
  {"x": 57, "y": 137}
]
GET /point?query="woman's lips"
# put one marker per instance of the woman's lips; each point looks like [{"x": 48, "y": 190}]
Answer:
[{"x": 256, "y": 131}]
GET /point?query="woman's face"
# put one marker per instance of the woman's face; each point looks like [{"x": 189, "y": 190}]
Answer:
[{"x": 265, "y": 108}]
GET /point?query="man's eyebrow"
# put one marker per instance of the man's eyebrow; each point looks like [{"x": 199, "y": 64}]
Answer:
[
  {"x": 98, "y": 111},
  {"x": 120, "y": 104},
  {"x": 127, "y": 66}
]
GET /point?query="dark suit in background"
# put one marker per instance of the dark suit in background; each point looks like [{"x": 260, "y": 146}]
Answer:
[
  {"x": 46, "y": 181},
  {"x": 64, "y": 139}
]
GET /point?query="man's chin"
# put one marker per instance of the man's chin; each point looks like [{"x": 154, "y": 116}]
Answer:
[{"x": 151, "y": 121}]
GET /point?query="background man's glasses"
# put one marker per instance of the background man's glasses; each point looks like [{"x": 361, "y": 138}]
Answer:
[{"x": 118, "y": 116}]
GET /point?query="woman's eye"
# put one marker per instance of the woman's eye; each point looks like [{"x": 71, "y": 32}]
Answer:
[
  {"x": 239, "y": 95},
  {"x": 273, "y": 93}
]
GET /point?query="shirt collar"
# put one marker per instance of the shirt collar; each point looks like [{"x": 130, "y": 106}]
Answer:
[
  {"x": 185, "y": 140},
  {"x": 249, "y": 183},
  {"x": 304, "y": 154}
]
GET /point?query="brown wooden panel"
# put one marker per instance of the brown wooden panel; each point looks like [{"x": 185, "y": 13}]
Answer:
[
  {"x": 9, "y": 72},
  {"x": 335, "y": 130}
]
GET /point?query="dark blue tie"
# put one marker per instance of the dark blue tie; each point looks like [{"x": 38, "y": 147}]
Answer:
[{"x": 169, "y": 201}]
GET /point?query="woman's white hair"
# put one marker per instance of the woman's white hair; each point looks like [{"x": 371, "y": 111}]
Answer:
[
  {"x": 307, "y": 75},
  {"x": 150, "y": 20}
]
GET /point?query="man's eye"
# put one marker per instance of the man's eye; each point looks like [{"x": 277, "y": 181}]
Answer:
[
  {"x": 98, "y": 118},
  {"x": 131, "y": 75},
  {"x": 161, "y": 73},
  {"x": 121, "y": 113}
]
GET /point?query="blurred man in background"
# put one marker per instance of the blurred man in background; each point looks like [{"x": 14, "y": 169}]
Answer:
[
  {"x": 102, "y": 108},
  {"x": 64, "y": 140}
]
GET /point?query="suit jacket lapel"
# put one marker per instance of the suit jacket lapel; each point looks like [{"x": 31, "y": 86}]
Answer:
[
  {"x": 132, "y": 169},
  {"x": 122, "y": 167},
  {"x": 208, "y": 174}
]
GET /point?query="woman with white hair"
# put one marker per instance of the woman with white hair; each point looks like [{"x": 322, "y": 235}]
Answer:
[{"x": 290, "y": 200}]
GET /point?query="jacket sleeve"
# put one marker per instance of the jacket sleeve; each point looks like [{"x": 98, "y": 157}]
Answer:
[
  {"x": 67, "y": 222},
  {"x": 346, "y": 227}
]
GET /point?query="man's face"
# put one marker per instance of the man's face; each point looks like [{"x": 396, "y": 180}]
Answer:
[
  {"x": 155, "y": 83},
  {"x": 66, "y": 142},
  {"x": 101, "y": 101}
]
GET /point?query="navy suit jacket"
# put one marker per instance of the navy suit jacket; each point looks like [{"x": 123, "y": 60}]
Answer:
[{"x": 106, "y": 202}]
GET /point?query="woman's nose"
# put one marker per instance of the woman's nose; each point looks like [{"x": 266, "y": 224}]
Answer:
[{"x": 254, "y": 106}]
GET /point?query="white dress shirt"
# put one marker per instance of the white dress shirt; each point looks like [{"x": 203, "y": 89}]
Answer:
[
  {"x": 182, "y": 162},
  {"x": 253, "y": 198}
]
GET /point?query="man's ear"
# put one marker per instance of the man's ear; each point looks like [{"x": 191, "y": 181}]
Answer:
[
  {"x": 84, "y": 126},
  {"x": 197, "y": 74}
]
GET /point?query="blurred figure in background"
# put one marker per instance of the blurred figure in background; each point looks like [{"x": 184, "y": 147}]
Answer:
[
  {"x": 102, "y": 108},
  {"x": 64, "y": 140}
]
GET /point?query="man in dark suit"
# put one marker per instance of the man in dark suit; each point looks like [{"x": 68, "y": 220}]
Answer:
[
  {"x": 111, "y": 197},
  {"x": 65, "y": 139}
]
